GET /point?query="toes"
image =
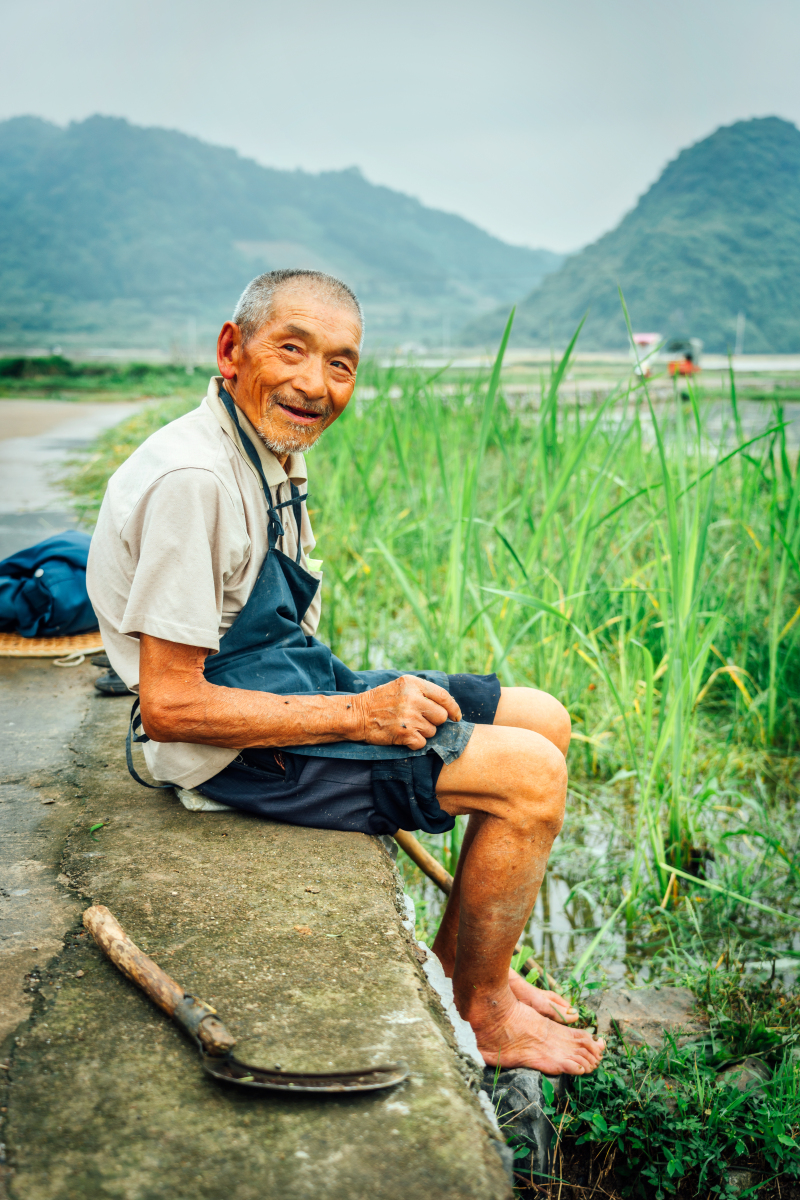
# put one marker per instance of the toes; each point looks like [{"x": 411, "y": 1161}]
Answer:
[
  {"x": 585, "y": 1063},
  {"x": 565, "y": 1011},
  {"x": 581, "y": 1036},
  {"x": 574, "y": 1066},
  {"x": 587, "y": 1045}
]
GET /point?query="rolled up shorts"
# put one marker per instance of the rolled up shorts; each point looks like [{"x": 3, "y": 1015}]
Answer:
[{"x": 356, "y": 795}]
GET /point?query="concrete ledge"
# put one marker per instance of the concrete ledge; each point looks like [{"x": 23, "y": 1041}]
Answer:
[{"x": 289, "y": 932}]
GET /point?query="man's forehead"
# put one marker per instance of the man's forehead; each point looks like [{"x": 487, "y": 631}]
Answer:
[{"x": 305, "y": 312}]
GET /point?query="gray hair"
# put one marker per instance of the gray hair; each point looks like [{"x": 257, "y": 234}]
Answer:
[{"x": 255, "y": 303}]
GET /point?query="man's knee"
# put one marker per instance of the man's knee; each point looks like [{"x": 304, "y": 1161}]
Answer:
[
  {"x": 563, "y": 730},
  {"x": 558, "y": 725},
  {"x": 528, "y": 708},
  {"x": 538, "y": 801}
]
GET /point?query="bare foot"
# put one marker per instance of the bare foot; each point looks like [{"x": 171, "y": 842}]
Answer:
[
  {"x": 549, "y": 1004},
  {"x": 511, "y": 1034}
]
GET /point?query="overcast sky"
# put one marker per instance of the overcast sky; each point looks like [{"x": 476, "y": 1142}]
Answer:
[{"x": 540, "y": 121}]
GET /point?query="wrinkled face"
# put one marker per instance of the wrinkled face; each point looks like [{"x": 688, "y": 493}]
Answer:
[{"x": 297, "y": 374}]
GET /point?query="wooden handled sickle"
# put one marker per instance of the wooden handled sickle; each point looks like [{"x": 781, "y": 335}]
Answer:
[
  {"x": 193, "y": 1015},
  {"x": 216, "y": 1044}
]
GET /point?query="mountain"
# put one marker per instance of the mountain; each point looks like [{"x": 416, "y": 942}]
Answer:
[
  {"x": 718, "y": 234},
  {"x": 113, "y": 232}
]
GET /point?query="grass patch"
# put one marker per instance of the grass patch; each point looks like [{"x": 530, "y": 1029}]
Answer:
[
  {"x": 55, "y": 376},
  {"x": 673, "y": 1122}
]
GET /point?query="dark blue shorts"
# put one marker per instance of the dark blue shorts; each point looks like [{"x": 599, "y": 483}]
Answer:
[{"x": 358, "y": 796}]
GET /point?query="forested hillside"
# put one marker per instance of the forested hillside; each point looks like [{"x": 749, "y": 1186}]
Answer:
[
  {"x": 110, "y": 231},
  {"x": 718, "y": 234}
]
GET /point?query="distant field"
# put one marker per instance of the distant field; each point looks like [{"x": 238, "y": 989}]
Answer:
[{"x": 56, "y": 377}]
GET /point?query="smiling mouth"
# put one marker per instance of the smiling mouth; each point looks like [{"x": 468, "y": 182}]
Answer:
[{"x": 305, "y": 416}]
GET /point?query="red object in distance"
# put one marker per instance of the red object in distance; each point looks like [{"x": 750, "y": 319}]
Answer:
[{"x": 682, "y": 366}]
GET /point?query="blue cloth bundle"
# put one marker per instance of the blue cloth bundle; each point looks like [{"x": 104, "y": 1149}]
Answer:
[{"x": 43, "y": 589}]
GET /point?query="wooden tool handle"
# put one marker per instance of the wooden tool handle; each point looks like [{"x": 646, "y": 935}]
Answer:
[
  {"x": 444, "y": 881},
  {"x": 192, "y": 1014},
  {"x": 133, "y": 962},
  {"x": 425, "y": 861}
]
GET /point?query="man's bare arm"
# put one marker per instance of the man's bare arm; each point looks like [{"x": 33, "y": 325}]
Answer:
[{"x": 178, "y": 704}]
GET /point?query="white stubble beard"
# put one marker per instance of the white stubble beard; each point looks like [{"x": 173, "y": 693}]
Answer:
[{"x": 298, "y": 443}]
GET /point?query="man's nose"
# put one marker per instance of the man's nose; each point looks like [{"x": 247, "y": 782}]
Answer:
[{"x": 310, "y": 379}]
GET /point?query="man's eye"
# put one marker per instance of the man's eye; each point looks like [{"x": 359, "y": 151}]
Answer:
[
  {"x": 291, "y": 346},
  {"x": 338, "y": 363}
]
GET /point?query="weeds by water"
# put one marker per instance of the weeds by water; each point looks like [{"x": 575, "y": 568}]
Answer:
[{"x": 693, "y": 1119}]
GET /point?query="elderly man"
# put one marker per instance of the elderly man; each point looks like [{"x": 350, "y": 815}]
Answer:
[{"x": 209, "y": 603}]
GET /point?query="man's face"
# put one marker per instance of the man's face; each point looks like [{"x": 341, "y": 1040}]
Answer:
[{"x": 296, "y": 376}]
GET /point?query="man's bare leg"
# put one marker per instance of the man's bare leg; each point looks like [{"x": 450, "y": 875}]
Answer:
[
  {"x": 520, "y": 708},
  {"x": 529, "y": 708},
  {"x": 549, "y": 1004},
  {"x": 514, "y": 780}
]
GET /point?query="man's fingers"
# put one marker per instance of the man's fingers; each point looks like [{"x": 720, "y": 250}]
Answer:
[
  {"x": 434, "y": 713},
  {"x": 415, "y": 742},
  {"x": 438, "y": 694},
  {"x": 420, "y": 731},
  {"x": 405, "y": 712}
]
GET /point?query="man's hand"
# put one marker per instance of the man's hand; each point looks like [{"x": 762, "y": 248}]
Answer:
[{"x": 405, "y": 712}]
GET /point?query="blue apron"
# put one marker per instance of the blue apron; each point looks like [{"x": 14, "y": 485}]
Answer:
[{"x": 266, "y": 650}]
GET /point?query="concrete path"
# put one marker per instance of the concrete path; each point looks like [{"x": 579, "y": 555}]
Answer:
[
  {"x": 37, "y": 437},
  {"x": 41, "y": 709},
  {"x": 293, "y": 934}
]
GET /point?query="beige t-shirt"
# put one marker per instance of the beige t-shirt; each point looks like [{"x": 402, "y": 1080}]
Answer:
[{"x": 180, "y": 540}]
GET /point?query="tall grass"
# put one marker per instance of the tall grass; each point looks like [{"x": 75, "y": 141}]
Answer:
[{"x": 611, "y": 554}]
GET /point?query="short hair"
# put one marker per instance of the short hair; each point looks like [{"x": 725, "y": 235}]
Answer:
[{"x": 254, "y": 307}]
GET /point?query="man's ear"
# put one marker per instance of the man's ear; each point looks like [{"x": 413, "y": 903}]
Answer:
[{"x": 229, "y": 350}]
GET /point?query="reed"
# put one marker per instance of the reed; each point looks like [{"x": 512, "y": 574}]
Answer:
[{"x": 614, "y": 555}]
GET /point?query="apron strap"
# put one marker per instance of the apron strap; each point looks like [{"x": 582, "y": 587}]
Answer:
[
  {"x": 275, "y": 529},
  {"x": 134, "y": 725},
  {"x": 297, "y": 508}
]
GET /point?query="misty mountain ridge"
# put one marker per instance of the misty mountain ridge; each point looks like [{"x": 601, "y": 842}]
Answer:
[
  {"x": 716, "y": 235},
  {"x": 128, "y": 235}
]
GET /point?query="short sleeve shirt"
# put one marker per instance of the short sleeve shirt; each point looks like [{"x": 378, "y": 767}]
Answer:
[{"x": 179, "y": 543}]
